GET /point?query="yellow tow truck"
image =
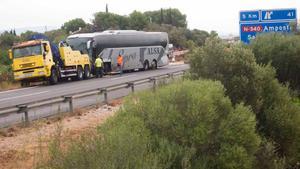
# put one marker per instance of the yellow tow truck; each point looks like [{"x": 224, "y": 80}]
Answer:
[{"x": 39, "y": 60}]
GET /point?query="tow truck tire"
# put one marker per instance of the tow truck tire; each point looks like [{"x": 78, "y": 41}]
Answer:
[
  {"x": 53, "y": 77},
  {"x": 25, "y": 83},
  {"x": 87, "y": 72},
  {"x": 79, "y": 73}
]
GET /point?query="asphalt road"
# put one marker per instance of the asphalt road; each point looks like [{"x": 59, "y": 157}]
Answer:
[
  {"x": 37, "y": 93},
  {"x": 31, "y": 94}
]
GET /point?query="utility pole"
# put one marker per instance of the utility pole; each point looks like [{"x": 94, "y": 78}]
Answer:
[
  {"x": 170, "y": 14},
  {"x": 161, "y": 16},
  {"x": 106, "y": 9}
]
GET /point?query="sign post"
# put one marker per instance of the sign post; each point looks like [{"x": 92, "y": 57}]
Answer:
[{"x": 260, "y": 21}]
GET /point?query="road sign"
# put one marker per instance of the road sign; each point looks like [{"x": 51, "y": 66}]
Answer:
[
  {"x": 249, "y": 30},
  {"x": 259, "y": 21},
  {"x": 280, "y": 14},
  {"x": 247, "y": 16}
]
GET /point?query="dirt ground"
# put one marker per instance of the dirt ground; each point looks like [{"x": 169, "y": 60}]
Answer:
[
  {"x": 6, "y": 85},
  {"x": 24, "y": 148}
]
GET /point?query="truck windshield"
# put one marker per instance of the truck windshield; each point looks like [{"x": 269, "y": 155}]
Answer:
[{"x": 27, "y": 51}]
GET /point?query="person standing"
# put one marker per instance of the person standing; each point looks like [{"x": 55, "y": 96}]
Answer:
[
  {"x": 99, "y": 67},
  {"x": 120, "y": 63}
]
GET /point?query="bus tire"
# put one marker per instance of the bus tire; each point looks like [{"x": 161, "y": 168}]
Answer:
[
  {"x": 53, "y": 77},
  {"x": 79, "y": 73},
  {"x": 146, "y": 65},
  {"x": 154, "y": 64},
  {"x": 87, "y": 72}
]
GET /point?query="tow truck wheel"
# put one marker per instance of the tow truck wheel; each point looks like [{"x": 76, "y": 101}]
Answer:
[
  {"x": 87, "y": 72},
  {"x": 53, "y": 77},
  {"x": 79, "y": 73}
]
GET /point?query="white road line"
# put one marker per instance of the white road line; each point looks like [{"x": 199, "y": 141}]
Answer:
[
  {"x": 174, "y": 66},
  {"x": 10, "y": 98},
  {"x": 15, "y": 90},
  {"x": 121, "y": 77}
]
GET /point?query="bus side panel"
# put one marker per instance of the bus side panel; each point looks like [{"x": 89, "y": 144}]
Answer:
[
  {"x": 158, "y": 54},
  {"x": 131, "y": 58},
  {"x": 135, "y": 57}
]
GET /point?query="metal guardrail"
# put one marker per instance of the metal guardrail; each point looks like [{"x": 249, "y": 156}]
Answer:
[
  {"x": 24, "y": 108},
  {"x": 178, "y": 53}
]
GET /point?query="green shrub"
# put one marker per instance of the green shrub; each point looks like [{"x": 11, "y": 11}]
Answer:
[
  {"x": 4, "y": 59},
  {"x": 123, "y": 142},
  {"x": 283, "y": 52},
  {"x": 183, "y": 125},
  {"x": 267, "y": 157},
  {"x": 234, "y": 66},
  {"x": 5, "y": 73},
  {"x": 197, "y": 115},
  {"x": 255, "y": 85}
]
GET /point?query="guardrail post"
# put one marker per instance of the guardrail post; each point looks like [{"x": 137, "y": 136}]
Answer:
[
  {"x": 130, "y": 84},
  {"x": 183, "y": 74},
  {"x": 98, "y": 95},
  {"x": 171, "y": 76},
  {"x": 69, "y": 99},
  {"x": 24, "y": 109},
  {"x": 104, "y": 91},
  {"x": 154, "y": 83}
]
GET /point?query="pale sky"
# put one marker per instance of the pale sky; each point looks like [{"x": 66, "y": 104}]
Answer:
[{"x": 219, "y": 15}]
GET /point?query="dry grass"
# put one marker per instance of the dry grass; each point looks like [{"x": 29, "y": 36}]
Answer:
[
  {"x": 7, "y": 85},
  {"x": 28, "y": 147}
]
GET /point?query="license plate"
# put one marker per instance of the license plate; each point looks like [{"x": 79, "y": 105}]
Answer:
[{"x": 27, "y": 75}]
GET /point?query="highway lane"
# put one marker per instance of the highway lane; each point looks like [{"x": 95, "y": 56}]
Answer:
[{"x": 32, "y": 94}]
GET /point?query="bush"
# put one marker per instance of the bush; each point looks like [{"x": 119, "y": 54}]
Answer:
[
  {"x": 184, "y": 125},
  {"x": 255, "y": 85},
  {"x": 267, "y": 157},
  {"x": 4, "y": 59},
  {"x": 73, "y": 25},
  {"x": 123, "y": 142},
  {"x": 283, "y": 52},
  {"x": 234, "y": 66},
  {"x": 5, "y": 73}
]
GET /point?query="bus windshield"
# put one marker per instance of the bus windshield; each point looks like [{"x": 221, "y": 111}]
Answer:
[
  {"x": 79, "y": 44},
  {"x": 27, "y": 51}
]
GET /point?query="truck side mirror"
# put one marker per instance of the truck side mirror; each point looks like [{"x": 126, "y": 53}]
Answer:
[{"x": 10, "y": 55}]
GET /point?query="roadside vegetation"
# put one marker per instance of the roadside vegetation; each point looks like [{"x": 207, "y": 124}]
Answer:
[
  {"x": 283, "y": 53},
  {"x": 255, "y": 84},
  {"x": 189, "y": 124},
  {"x": 232, "y": 112}
]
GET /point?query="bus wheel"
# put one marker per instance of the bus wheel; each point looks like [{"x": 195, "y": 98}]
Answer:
[
  {"x": 146, "y": 65},
  {"x": 79, "y": 73},
  {"x": 87, "y": 72},
  {"x": 53, "y": 77},
  {"x": 154, "y": 64}
]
